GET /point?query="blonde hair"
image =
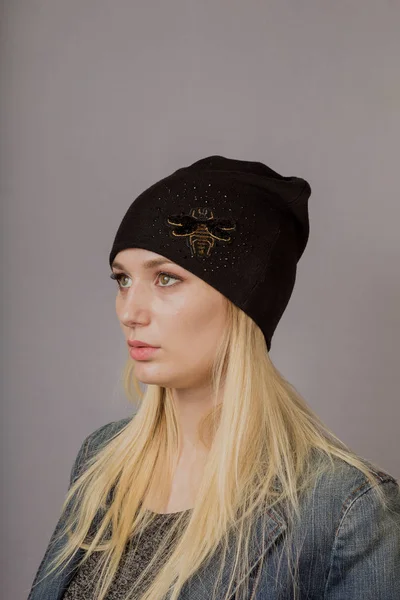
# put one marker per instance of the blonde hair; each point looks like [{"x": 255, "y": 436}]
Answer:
[{"x": 263, "y": 441}]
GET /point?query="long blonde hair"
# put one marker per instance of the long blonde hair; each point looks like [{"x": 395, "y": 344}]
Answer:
[{"x": 262, "y": 438}]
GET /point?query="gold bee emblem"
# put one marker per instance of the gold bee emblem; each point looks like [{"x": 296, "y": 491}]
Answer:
[{"x": 201, "y": 229}]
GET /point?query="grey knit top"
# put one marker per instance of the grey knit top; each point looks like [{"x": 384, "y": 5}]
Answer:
[{"x": 132, "y": 563}]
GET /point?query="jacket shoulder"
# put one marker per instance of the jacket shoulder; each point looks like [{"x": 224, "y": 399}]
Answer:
[
  {"x": 101, "y": 435},
  {"x": 353, "y": 475},
  {"x": 363, "y": 531},
  {"x": 94, "y": 442},
  {"x": 339, "y": 484}
]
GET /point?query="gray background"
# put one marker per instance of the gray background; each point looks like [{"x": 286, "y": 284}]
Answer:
[{"x": 101, "y": 99}]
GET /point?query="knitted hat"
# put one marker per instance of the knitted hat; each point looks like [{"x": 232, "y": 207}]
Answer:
[{"x": 236, "y": 224}]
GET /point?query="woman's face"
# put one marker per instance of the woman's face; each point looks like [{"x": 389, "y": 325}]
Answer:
[{"x": 169, "y": 307}]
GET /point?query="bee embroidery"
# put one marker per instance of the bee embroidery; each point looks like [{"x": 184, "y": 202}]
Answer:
[{"x": 201, "y": 229}]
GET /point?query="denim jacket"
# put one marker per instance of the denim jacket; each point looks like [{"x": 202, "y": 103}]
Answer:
[{"x": 350, "y": 546}]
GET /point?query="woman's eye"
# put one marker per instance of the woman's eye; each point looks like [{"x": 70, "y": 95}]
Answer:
[
  {"x": 168, "y": 276},
  {"x": 120, "y": 276}
]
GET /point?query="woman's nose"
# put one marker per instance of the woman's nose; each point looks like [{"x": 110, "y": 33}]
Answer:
[{"x": 134, "y": 307}]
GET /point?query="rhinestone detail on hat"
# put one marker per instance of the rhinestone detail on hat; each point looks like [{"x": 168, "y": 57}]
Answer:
[{"x": 201, "y": 229}]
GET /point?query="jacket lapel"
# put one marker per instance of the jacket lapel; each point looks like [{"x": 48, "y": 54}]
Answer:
[{"x": 265, "y": 532}]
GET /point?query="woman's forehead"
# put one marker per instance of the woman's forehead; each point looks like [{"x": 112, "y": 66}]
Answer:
[{"x": 140, "y": 256}]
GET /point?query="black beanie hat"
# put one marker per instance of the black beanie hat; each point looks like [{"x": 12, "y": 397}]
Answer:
[{"x": 236, "y": 224}]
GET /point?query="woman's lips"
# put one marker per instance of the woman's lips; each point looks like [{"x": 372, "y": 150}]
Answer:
[{"x": 142, "y": 352}]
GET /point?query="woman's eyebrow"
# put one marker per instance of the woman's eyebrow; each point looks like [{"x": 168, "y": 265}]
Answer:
[{"x": 149, "y": 264}]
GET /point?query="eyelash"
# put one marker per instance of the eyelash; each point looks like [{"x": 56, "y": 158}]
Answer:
[{"x": 118, "y": 276}]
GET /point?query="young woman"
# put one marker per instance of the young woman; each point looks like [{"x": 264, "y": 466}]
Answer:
[{"x": 224, "y": 483}]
